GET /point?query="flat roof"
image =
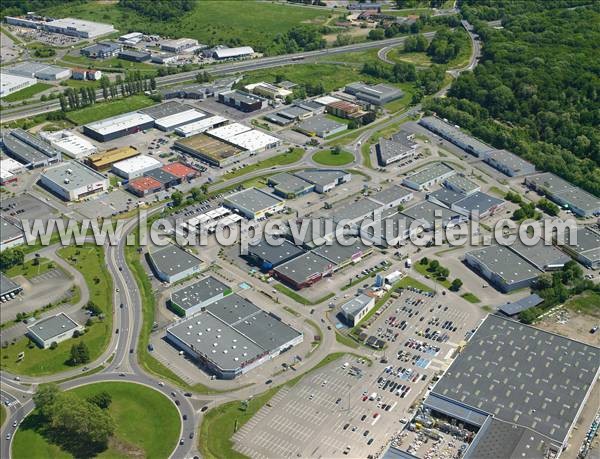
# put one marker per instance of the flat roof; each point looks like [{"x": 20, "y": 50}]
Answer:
[
  {"x": 179, "y": 170},
  {"x": 379, "y": 90},
  {"x": 356, "y": 304},
  {"x": 200, "y": 125},
  {"x": 242, "y": 96},
  {"x": 253, "y": 199},
  {"x": 253, "y": 140},
  {"x": 543, "y": 256},
  {"x": 200, "y": 291},
  {"x": 326, "y": 100},
  {"x": 425, "y": 212},
  {"x": 452, "y": 132},
  {"x": 228, "y": 131},
  {"x": 266, "y": 330},
  {"x": 319, "y": 124},
  {"x": 354, "y": 210},
  {"x": 165, "y": 109},
  {"x": 137, "y": 163},
  {"x": 22, "y": 150},
  {"x": 9, "y": 230},
  {"x": 321, "y": 177},
  {"x": 144, "y": 184},
  {"x": 70, "y": 142},
  {"x": 92, "y": 28},
  {"x": 108, "y": 157},
  {"x": 301, "y": 268},
  {"x": 588, "y": 243},
  {"x": 390, "y": 194},
  {"x": 338, "y": 253},
  {"x": 515, "y": 307},
  {"x": 119, "y": 122},
  {"x": 72, "y": 175},
  {"x": 7, "y": 285},
  {"x": 446, "y": 196},
  {"x": 53, "y": 326},
  {"x": 480, "y": 202},
  {"x": 172, "y": 259},
  {"x": 388, "y": 148},
  {"x": 571, "y": 194},
  {"x": 8, "y": 81},
  {"x": 274, "y": 253},
  {"x": 430, "y": 172},
  {"x": 209, "y": 146},
  {"x": 172, "y": 121},
  {"x": 511, "y": 160},
  {"x": 289, "y": 183},
  {"x": 463, "y": 183},
  {"x": 161, "y": 175},
  {"x": 133, "y": 53},
  {"x": 505, "y": 263},
  {"x": 223, "y": 53},
  {"x": 522, "y": 375}
]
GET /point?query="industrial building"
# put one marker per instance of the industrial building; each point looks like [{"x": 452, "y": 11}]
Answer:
[
  {"x": 425, "y": 213},
  {"x": 11, "y": 233},
  {"x": 73, "y": 181},
  {"x": 201, "y": 125},
  {"x": 454, "y": 135},
  {"x": 520, "y": 376},
  {"x": 345, "y": 109},
  {"x": 144, "y": 186},
  {"x": 544, "y": 256},
  {"x": 289, "y": 186},
  {"x": 243, "y": 101},
  {"x": 134, "y": 56},
  {"x": 353, "y": 211},
  {"x": 212, "y": 150},
  {"x": 304, "y": 270},
  {"x": 478, "y": 204},
  {"x": 299, "y": 110},
  {"x": 254, "y": 204},
  {"x": 444, "y": 197},
  {"x": 8, "y": 288},
  {"x": 166, "y": 179},
  {"x": 172, "y": 263},
  {"x": 428, "y": 176},
  {"x": 13, "y": 83},
  {"x": 132, "y": 38},
  {"x": 181, "y": 171},
  {"x": 78, "y": 27},
  {"x": 29, "y": 150},
  {"x": 9, "y": 168},
  {"x": 228, "y": 131},
  {"x": 269, "y": 256},
  {"x": 53, "y": 329},
  {"x": 104, "y": 160},
  {"x": 343, "y": 255},
  {"x": 118, "y": 126},
  {"x": 268, "y": 90},
  {"x": 393, "y": 232},
  {"x": 321, "y": 126},
  {"x": 194, "y": 298},
  {"x": 580, "y": 202},
  {"x": 102, "y": 50},
  {"x": 39, "y": 70},
  {"x": 391, "y": 197},
  {"x": 461, "y": 184},
  {"x": 357, "y": 308},
  {"x": 508, "y": 163},
  {"x": 135, "y": 167},
  {"x": 253, "y": 141},
  {"x": 379, "y": 94},
  {"x": 233, "y": 336},
  {"x": 179, "y": 45},
  {"x": 399, "y": 147},
  {"x": 69, "y": 143},
  {"x": 171, "y": 115},
  {"x": 502, "y": 268},
  {"x": 232, "y": 53},
  {"x": 324, "y": 180},
  {"x": 513, "y": 309},
  {"x": 587, "y": 249}
]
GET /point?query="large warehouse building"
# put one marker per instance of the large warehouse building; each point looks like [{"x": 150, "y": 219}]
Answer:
[
  {"x": 304, "y": 270},
  {"x": 379, "y": 94},
  {"x": 521, "y": 387},
  {"x": 254, "y": 204},
  {"x": 11, "y": 234},
  {"x": 587, "y": 249},
  {"x": 233, "y": 336},
  {"x": 428, "y": 176},
  {"x": 135, "y": 167},
  {"x": 13, "y": 83},
  {"x": 212, "y": 150},
  {"x": 243, "y": 101},
  {"x": 118, "y": 126},
  {"x": 40, "y": 71},
  {"x": 105, "y": 159},
  {"x": 171, "y": 263},
  {"x": 73, "y": 145},
  {"x": 454, "y": 135},
  {"x": 78, "y": 27},
  {"x": 73, "y": 181},
  {"x": 171, "y": 115},
  {"x": 194, "y": 298},
  {"x": 269, "y": 256},
  {"x": 29, "y": 150},
  {"x": 200, "y": 126}
]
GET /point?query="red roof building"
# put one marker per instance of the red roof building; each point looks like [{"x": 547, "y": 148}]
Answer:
[
  {"x": 143, "y": 186},
  {"x": 181, "y": 170}
]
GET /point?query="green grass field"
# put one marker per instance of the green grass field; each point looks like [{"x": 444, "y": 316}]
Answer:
[
  {"x": 587, "y": 303},
  {"x": 82, "y": 84},
  {"x": 30, "y": 269},
  {"x": 329, "y": 158},
  {"x": 106, "y": 109},
  {"x": 147, "y": 425},
  {"x": 254, "y": 24},
  {"x": 89, "y": 260},
  {"x": 113, "y": 64},
  {"x": 471, "y": 298},
  {"x": 424, "y": 270},
  {"x": 280, "y": 160},
  {"x": 27, "y": 93},
  {"x": 299, "y": 298}
]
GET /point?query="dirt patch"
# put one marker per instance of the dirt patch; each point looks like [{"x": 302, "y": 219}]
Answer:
[
  {"x": 572, "y": 325},
  {"x": 127, "y": 449}
]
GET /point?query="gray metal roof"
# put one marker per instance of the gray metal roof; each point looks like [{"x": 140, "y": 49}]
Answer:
[
  {"x": 506, "y": 264},
  {"x": 390, "y": 149},
  {"x": 456, "y": 410},
  {"x": 509, "y": 159},
  {"x": 405, "y": 138},
  {"x": 24, "y": 152},
  {"x": 293, "y": 112},
  {"x": 288, "y": 183},
  {"x": 430, "y": 172},
  {"x": 319, "y": 124},
  {"x": 50, "y": 327},
  {"x": 7, "y": 285},
  {"x": 161, "y": 175},
  {"x": 426, "y": 211},
  {"x": 391, "y": 194},
  {"x": 321, "y": 177},
  {"x": 540, "y": 255},
  {"x": 395, "y": 453},
  {"x": 511, "y": 309},
  {"x": 9, "y": 230},
  {"x": 266, "y": 330},
  {"x": 232, "y": 309},
  {"x": 446, "y": 196},
  {"x": 242, "y": 97},
  {"x": 522, "y": 375},
  {"x": 301, "y": 268},
  {"x": 274, "y": 254},
  {"x": 172, "y": 259},
  {"x": 198, "y": 292},
  {"x": 449, "y": 131},
  {"x": 72, "y": 175},
  {"x": 165, "y": 109},
  {"x": 479, "y": 202},
  {"x": 356, "y": 304},
  {"x": 588, "y": 243},
  {"x": 132, "y": 53},
  {"x": 253, "y": 199},
  {"x": 463, "y": 183},
  {"x": 338, "y": 253},
  {"x": 354, "y": 210}
]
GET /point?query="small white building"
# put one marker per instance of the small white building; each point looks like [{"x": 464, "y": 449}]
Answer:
[
  {"x": 135, "y": 167},
  {"x": 53, "y": 330},
  {"x": 69, "y": 143},
  {"x": 357, "y": 308},
  {"x": 73, "y": 181}
]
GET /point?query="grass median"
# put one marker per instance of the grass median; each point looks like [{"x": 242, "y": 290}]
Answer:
[{"x": 283, "y": 159}]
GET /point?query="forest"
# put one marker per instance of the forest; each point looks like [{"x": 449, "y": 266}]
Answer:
[{"x": 536, "y": 90}]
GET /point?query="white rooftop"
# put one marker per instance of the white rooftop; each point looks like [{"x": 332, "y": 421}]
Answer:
[
  {"x": 228, "y": 131},
  {"x": 8, "y": 82},
  {"x": 326, "y": 100},
  {"x": 233, "y": 52},
  {"x": 94, "y": 29},
  {"x": 10, "y": 165},
  {"x": 136, "y": 163},
  {"x": 71, "y": 144},
  {"x": 117, "y": 123},
  {"x": 200, "y": 125},
  {"x": 253, "y": 140},
  {"x": 168, "y": 122}
]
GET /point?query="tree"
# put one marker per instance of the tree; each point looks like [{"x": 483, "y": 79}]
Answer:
[
  {"x": 101, "y": 399},
  {"x": 11, "y": 257},
  {"x": 442, "y": 273},
  {"x": 529, "y": 315},
  {"x": 424, "y": 261},
  {"x": 79, "y": 354},
  {"x": 456, "y": 285},
  {"x": 177, "y": 198},
  {"x": 44, "y": 398},
  {"x": 434, "y": 265},
  {"x": 93, "y": 308},
  {"x": 53, "y": 345},
  {"x": 376, "y": 34}
]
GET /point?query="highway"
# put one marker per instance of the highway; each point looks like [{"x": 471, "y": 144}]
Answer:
[
  {"x": 124, "y": 346},
  {"x": 15, "y": 113}
]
